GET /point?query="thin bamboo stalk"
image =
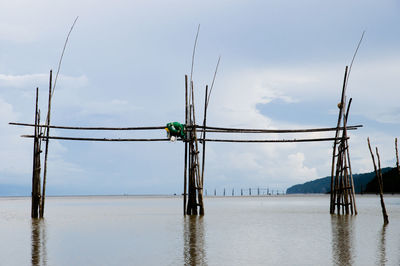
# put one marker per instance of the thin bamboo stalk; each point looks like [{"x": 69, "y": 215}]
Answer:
[
  {"x": 198, "y": 128},
  {"x": 186, "y": 149},
  {"x": 35, "y": 154},
  {"x": 272, "y": 140},
  {"x": 210, "y": 140},
  {"x": 89, "y": 128},
  {"x": 397, "y": 156},
  {"x": 353, "y": 193},
  {"x": 249, "y": 130},
  {"x": 204, "y": 137},
  {"x": 384, "y": 213},
  {"x": 47, "y": 147},
  {"x": 378, "y": 176},
  {"x": 93, "y": 139}
]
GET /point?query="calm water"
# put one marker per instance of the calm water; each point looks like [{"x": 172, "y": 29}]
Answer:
[{"x": 284, "y": 230}]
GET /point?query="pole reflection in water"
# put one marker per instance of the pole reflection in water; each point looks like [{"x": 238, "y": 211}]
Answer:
[
  {"x": 381, "y": 257},
  {"x": 194, "y": 251},
  {"x": 342, "y": 239},
  {"x": 38, "y": 239}
]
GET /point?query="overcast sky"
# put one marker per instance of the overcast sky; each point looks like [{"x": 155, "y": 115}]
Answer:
[{"x": 282, "y": 66}]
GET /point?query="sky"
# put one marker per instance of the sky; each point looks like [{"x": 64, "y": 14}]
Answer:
[{"x": 282, "y": 66}]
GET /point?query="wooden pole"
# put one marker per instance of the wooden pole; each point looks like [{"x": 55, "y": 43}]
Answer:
[
  {"x": 47, "y": 147},
  {"x": 204, "y": 138},
  {"x": 196, "y": 159},
  {"x": 36, "y": 163},
  {"x": 353, "y": 193},
  {"x": 341, "y": 107},
  {"x": 397, "y": 156},
  {"x": 186, "y": 148},
  {"x": 380, "y": 178},
  {"x": 198, "y": 129},
  {"x": 380, "y": 182},
  {"x": 88, "y": 128}
]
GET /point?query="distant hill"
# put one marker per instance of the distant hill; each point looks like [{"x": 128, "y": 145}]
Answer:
[
  {"x": 323, "y": 185},
  {"x": 391, "y": 183}
]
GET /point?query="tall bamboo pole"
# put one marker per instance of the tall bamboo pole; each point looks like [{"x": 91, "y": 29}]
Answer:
[
  {"x": 186, "y": 147},
  {"x": 36, "y": 153},
  {"x": 47, "y": 147},
  {"x": 397, "y": 156},
  {"x": 342, "y": 102},
  {"x": 204, "y": 137}
]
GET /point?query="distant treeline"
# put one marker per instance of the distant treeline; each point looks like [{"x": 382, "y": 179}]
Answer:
[{"x": 363, "y": 183}]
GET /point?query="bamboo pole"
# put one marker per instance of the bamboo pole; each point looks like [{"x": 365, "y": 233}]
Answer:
[
  {"x": 47, "y": 147},
  {"x": 35, "y": 197},
  {"x": 196, "y": 159},
  {"x": 272, "y": 140},
  {"x": 342, "y": 102},
  {"x": 166, "y": 139},
  {"x": 89, "y": 128},
  {"x": 250, "y": 130},
  {"x": 186, "y": 148},
  {"x": 384, "y": 213},
  {"x": 353, "y": 193},
  {"x": 198, "y": 129},
  {"x": 204, "y": 138},
  {"x": 380, "y": 182},
  {"x": 397, "y": 156},
  {"x": 94, "y": 139},
  {"x": 35, "y": 152}
]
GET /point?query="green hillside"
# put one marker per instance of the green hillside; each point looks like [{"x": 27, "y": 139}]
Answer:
[
  {"x": 391, "y": 183},
  {"x": 323, "y": 185}
]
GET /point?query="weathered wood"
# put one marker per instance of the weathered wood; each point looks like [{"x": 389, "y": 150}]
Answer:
[
  {"x": 166, "y": 139},
  {"x": 89, "y": 128},
  {"x": 249, "y": 130},
  {"x": 46, "y": 148},
  {"x": 353, "y": 193},
  {"x": 379, "y": 177},
  {"x": 271, "y": 140},
  {"x": 186, "y": 149},
  {"x": 204, "y": 138},
  {"x": 397, "y": 156},
  {"x": 341, "y": 107},
  {"x": 36, "y": 163},
  {"x": 93, "y": 139},
  {"x": 198, "y": 128}
]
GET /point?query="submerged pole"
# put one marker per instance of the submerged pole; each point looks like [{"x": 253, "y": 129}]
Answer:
[
  {"x": 47, "y": 146},
  {"x": 35, "y": 197},
  {"x": 341, "y": 108}
]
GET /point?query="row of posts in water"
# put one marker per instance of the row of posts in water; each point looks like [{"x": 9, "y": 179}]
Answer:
[{"x": 244, "y": 192}]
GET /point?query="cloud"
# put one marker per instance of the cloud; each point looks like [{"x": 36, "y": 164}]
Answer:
[{"x": 28, "y": 80}]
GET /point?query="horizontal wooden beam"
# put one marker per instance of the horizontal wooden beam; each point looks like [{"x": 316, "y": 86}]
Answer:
[
  {"x": 247, "y": 130},
  {"x": 89, "y": 128},
  {"x": 210, "y": 140},
  {"x": 93, "y": 139},
  {"x": 202, "y": 128},
  {"x": 272, "y": 140}
]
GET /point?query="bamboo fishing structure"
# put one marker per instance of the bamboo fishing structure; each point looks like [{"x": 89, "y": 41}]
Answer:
[
  {"x": 342, "y": 184},
  {"x": 342, "y": 192}
]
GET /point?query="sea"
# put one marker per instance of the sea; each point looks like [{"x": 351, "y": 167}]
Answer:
[{"x": 152, "y": 230}]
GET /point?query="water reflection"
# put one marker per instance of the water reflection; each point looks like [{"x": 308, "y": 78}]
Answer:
[
  {"x": 194, "y": 235},
  {"x": 382, "y": 247},
  {"x": 342, "y": 239},
  {"x": 38, "y": 241}
]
